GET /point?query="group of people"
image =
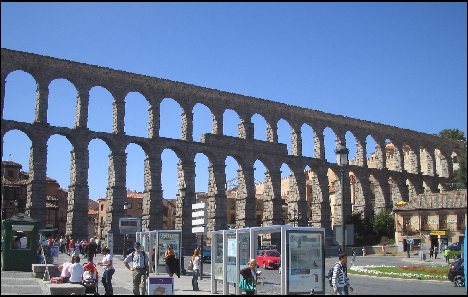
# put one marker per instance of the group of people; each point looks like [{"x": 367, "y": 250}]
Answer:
[
  {"x": 340, "y": 280},
  {"x": 73, "y": 272},
  {"x": 433, "y": 252}
]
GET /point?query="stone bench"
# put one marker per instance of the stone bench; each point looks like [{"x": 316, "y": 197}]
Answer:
[
  {"x": 62, "y": 289},
  {"x": 39, "y": 269}
]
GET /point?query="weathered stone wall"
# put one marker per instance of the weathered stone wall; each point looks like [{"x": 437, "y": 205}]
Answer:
[{"x": 216, "y": 147}]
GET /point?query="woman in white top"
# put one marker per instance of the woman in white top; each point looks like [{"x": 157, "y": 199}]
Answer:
[
  {"x": 76, "y": 271},
  {"x": 196, "y": 269},
  {"x": 108, "y": 271},
  {"x": 65, "y": 271}
]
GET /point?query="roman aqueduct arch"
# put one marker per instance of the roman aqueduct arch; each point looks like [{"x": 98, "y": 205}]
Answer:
[{"x": 387, "y": 185}]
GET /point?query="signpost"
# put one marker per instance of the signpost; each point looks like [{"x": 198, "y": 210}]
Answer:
[{"x": 199, "y": 227}]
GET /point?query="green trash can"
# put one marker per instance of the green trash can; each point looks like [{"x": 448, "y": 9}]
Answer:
[{"x": 19, "y": 243}]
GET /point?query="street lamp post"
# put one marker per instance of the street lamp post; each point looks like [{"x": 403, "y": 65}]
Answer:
[
  {"x": 182, "y": 197},
  {"x": 295, "y": 217},
  {"x": 126, "y": 207},
  {"x": 342, "y": 160}
]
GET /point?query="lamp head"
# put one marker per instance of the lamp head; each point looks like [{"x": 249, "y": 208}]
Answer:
[{"x": 341, "y": 155}]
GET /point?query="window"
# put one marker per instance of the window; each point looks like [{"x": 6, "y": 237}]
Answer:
[
  {"x": 233, "y": 219},
  {"x": 406, "y": 224},
  {"x": 424, "y": 222},
  {"x": 442, "y": 221},
  {"x": 233, "y": 204},
  {"x": 140, "y": 205},
  {"x": 460, "y": 221},
  {"x": 102, "y": 207},
  {"x": 10, "y": 173}
]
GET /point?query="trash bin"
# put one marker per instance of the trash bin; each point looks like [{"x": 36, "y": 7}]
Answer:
[{"x": 20, "y": 234}]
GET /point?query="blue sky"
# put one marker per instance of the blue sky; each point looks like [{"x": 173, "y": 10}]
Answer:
[{"x": 401, "y": 64}]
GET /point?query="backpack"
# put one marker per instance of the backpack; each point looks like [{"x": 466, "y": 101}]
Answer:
[
  {"x": 144, "y": 257},
  {"x": 330, "y": 276}
]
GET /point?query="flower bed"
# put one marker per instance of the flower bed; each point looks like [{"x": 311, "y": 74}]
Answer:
[{"x": 407, "y": 272}]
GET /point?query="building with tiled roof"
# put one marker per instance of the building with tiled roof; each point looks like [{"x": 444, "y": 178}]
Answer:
[
  {"x": 135, "y": 200},
  {"x": 430, "y": 220},
  {"x": 15, "y": 182}
]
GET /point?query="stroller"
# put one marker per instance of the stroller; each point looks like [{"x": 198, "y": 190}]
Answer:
[{"x": 90, "y": 278}]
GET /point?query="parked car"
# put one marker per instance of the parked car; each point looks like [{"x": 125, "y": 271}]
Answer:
[
  {"x": 206, "y": 255},
  {"x": 456, "y": 273},
  {"x": 269, "y": 259}
]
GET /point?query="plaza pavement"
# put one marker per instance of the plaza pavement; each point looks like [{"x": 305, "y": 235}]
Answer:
[{"x": 22, "y": 283}]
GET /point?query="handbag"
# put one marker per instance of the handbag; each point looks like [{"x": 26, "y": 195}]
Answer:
[
  {"x": 190, "y": 265},
  {"x": 246, "y": 285}
]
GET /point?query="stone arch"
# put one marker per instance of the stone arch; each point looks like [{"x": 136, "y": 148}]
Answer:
[
  {"x": 202, "y": 120},
  {"x": 59, "y": 113},
  {"x": 136, "y": 111},
  {"x": 98, "y": 170},
  {"x": 260, "y": 127},
  {"x": 330, "y": 141},
  {"x": 411, "y": 159},
  {"x": 169, "y": 171},
  {"x": 100, "y": 115},
  {"x": 413, "y": 188},
  {"x": 442, "y": 166},
  {"x": 360, "y": 190},
  {"x": 379, "y": 198},
  {"x": 284, "y": 129},
  {"x": 455, "y": 161},
  {"x": 320, "y": 200},
  {"x": 12, "y": 152},
  {"x": 307, "y": 136},
  {"x": 353, "y": 144},
  {"x": 393, "y": 155},
  {"x": 373, "y": 153},
  {"x": 170, "y": 116},
  {"x": 58, "y": 166},
  {"x": 427, "y": 160},
  {"x": 231, "y": 122},
  {"x": 398, "y": 189},
  {"x": 135, "y": 169},
  {"x": 202, "y": 168},
  {"x": 20, "y": 89}
]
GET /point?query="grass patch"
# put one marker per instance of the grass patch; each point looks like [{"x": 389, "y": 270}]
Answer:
[{"x": 404, "y": 272}]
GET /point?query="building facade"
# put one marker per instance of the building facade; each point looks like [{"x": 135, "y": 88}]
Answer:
[
  {"x": 14, "y": 196},
  {"x": 430, "y": 220},
  {"x": 135, "y": 202}
]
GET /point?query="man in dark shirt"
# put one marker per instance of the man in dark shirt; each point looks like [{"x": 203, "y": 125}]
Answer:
[{"x": 92, "y": 248}]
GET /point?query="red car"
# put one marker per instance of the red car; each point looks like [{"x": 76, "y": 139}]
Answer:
[{"x": 269, "y": 259}]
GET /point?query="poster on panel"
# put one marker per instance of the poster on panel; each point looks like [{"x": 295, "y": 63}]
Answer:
[
  {"x": 164, "y": 240},
  {"x": 306, "y": 263}
]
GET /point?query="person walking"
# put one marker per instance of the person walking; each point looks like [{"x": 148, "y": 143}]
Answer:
[
  {"x": 446, "y": 254},
  {"x": 353, "y": 253},
  {"x": 340, "y": 280},
  {"x": 140, "y": 268},
  {"x": 196, "y": 269},
  {"x": 250, "y": 274},
  {"x": 431, "y": 252},
  {"x": 436, "y": 251},
  {"x": 91, "y": 249},
  {"x": 108, "y": 271},
  {"x": 172, "y": 264}
]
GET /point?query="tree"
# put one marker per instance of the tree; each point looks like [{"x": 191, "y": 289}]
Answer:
[
  {"x": 460, "y": 174},
  {"x": 383, "y": 224},
  {"x": 454, "y": 134},
  {"x": 362, "y": 229},
  {"x": 459, "y": 179}
]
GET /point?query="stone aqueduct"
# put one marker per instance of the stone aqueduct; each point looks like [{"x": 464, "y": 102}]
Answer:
[{"x": 387, "y": 185}]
